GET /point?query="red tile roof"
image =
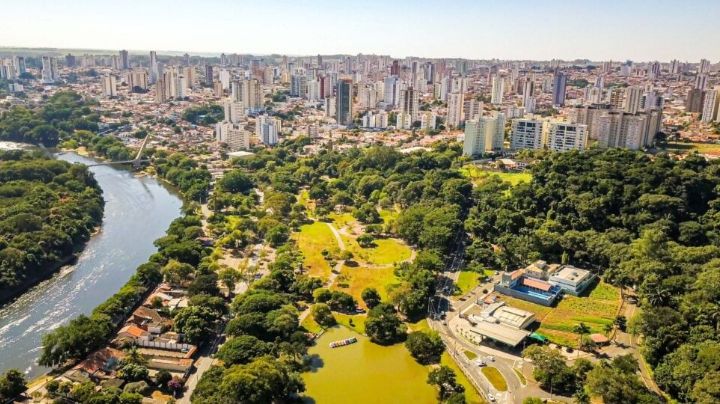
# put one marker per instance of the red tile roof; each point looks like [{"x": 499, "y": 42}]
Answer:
[{"x": 536, "y": 284}]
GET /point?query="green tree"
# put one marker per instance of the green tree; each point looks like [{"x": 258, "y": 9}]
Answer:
[{"x": 426, "y": 348}]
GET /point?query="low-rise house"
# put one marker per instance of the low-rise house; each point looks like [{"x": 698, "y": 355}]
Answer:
[{"x": 543, "y": 284}]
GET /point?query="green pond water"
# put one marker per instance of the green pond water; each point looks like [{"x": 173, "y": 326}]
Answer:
[{"x": 365, "y": 373}]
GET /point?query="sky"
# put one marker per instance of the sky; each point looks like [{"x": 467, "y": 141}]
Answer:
[{"x": 639, "y": 30}]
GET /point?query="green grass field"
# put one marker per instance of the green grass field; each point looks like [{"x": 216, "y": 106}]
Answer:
[
  {"x": 312, "y": 239},
  {"x": 365, "y": 373},
  {"x": 359, "y": 278},
  {"x": 595, "y": 310},
  {"x": 478, "y": 175},
  {"x": 702, "y": 148},
  {"x": 496, "y": 378},
  {"x": 387, "y": 251},
  {"x": 467, "y": 281}
]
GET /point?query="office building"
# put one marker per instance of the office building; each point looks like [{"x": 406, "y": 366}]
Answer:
[
  {"x": 485, "y": 134},
  {"x": 208, "y": 75},
  {"x": 344, "y": 101},
  {"x": 391, "y": 91},
  {"x": 562, "y": 136}
]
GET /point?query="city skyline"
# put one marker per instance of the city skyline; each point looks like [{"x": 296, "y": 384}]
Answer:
[{"x": 517, "y": 30}]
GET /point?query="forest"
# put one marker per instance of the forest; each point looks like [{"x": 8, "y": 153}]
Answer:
[
  {"x": 48, "y": 209},
  {"x": 646, "y": 223}
]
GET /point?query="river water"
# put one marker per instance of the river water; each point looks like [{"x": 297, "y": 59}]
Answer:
[{"x": 138, "y": 210}]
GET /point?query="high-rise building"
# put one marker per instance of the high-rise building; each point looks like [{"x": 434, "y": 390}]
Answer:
[
  {"x": 234, "y": 111},
  {"x": 70, "y": 60},
  {"x": 559, "y": 84},
  {"x": 701, "y": 81},
  {"x": 208, "y": 74},
  {"x": 109, "y": 85},
  {"x": 161, "y": 94},
  {"x": 456, "y": 105},
  {"x": 124, "y": 60},
  {"x": 298, "y": 85},
  {"x": 704, "y": 66},
  {"x": 234, "y": 135},
  {"x": 632, "y": 131},
  {"x": 498, "y": 89},
  {"x": 633, "y": 95},
  {"x": 137, "y": 80},
  {"x": 695, "y": 100},
  {"x": 49, "y": 70},
  {"x": 526, "y": 134},
  {"x": 562, "y": 136},
  {"x": 344, "y": 93},
  {"x": 710, "y": 105},
  {"x": 528, "y": 99},
  {"x": 267, "y": 129},
  {"x": 409, "y": 103},
  {"x": 154, "y": 68},
  {"x": 485, "y": 134}
]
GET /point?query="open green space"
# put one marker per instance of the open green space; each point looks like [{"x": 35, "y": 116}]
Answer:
[
  {"x": 341, "y": 220},
  {"x": 471, "y": 394},
  {"x": 365, "y": 373},
  {"x": 702, "y": 148},
  {"x": 595, "y": 310},
  {"x": 495, "y": 377},
  {"x": 478, "y": 175},
  {"x": 467, "y": 281},
  {"x": 387, "y": 251},
  {"x": 312, "y": 239},
  {"x": 354, "y": 280}
]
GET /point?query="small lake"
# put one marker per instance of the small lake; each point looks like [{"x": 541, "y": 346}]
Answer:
[{"x": 365, "y": 372}]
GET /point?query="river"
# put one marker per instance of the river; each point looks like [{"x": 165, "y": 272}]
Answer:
[{"x": 138, "y": 210}]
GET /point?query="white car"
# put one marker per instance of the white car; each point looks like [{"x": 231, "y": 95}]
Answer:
[
  {"x": 491, "y": 398},
  {"x": 491, "y": 358}
]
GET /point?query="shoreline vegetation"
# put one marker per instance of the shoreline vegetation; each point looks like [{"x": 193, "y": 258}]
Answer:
[{"x": 50, "y": 209}]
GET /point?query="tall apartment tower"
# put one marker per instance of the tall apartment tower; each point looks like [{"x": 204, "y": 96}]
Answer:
[
  {"x": 154, "y": 68},
  {"x": 710, "y": 105},
  {"x": 526, "y": 134},
  {"x": 49, "y": 70},
  {"x": 456, "y": 105},
  {"x": 633, "y": 95},
  {"x": 208, "y": 74},
  {"x": 498, "y": 88},
  {"x": 409, "y": 103},
  {"x": 559, "y": 84},
  {"x": 562, "y": 136},
  {"x": 485, "y": 134},
  {"x": 124, "y": 62},
  {"x": 109, "y": 85}
]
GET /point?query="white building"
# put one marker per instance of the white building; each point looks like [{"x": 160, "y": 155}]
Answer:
[
  {"x": 234, "y": 111},
  {"x": 49, "y": 70},
  {"x": 267, "y": 129},
  {"x": 109, "y": 85},
  {"x": 234, "y": 135},
  {"x": 633, "y": 95},
  {"x": 562, "y": 136},
  {"x": 527, "y": 134},
  {"x": 498, "y": 89},
  {"x": 485, "y": 134},
  {"x": 456, "y": 104}
]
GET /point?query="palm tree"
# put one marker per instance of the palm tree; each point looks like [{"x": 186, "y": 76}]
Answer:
[{"x": 581, "y": 329}]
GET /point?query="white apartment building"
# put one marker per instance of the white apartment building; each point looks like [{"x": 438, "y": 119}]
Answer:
[
  {"x": 267, "y": 129},
  {"x": 485, "y": 134},
  {"x": 109, "y": 85},
  {"x": 455, "y": 115},
  {"x": 527, "y": 134},
  {"x": 563, "y": 136},
  {"x": 710, "y": 105},
  {"x": 234, "y": 135}
]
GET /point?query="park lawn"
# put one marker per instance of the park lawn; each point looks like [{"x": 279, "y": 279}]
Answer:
[
  {"x": 341, "y": 220},
  {"x": 421, "y": 325},
  {"x": 495, "y": 377},
  {"x": 304, "y": 200},
  {"x": 387, "y": 251},
  {"x": 358, "y": 278},
  {"x": 312, "y": 239},
  {"x": 595, "y": 310},
  {"x": 467, "y": 281},
  {"x": 310, "y": 325},
  {"x": 358, "y": 321},
  {"x": 389, "y": 215},
  {"x": 702, "y": 148},
  {"x": 471, "y": 394},
  {"x": 478, "y": 175}
]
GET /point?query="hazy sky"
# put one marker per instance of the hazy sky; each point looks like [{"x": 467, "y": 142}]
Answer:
[{"x": 509, "y": 29}]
